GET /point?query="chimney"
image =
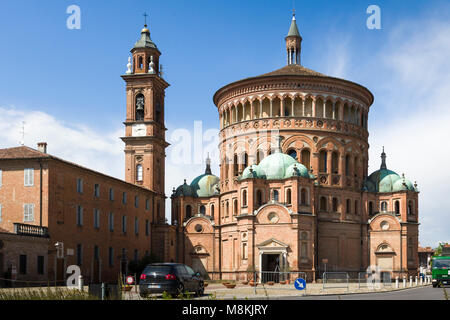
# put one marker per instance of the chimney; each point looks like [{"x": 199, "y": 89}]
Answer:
[{"x": 42, "y": 147}]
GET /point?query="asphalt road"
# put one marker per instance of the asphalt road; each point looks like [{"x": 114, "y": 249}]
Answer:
[{"x": 422, "y": 293}]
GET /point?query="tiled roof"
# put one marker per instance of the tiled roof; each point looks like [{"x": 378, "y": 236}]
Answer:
[
  {"x": 293, "y": 69},
  {"x": 21, "y": 153}
]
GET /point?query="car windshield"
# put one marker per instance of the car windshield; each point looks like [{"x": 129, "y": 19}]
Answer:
[
  {"x": 439, "y": 264},
  {"x": 158, "y": 269}
]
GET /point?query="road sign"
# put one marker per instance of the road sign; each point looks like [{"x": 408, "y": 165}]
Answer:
[
  {"x": 300, "y": 284},
  {"x": 130, "y": 280}
]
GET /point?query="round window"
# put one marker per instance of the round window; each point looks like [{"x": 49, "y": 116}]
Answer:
[
  {"x": 198, "y": 228},
  {"x": 273, "y": 217},
  {"x": 384, "y": 225}
]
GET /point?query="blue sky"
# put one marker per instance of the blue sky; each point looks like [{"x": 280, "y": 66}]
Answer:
[{"x": 66, "y": 83}]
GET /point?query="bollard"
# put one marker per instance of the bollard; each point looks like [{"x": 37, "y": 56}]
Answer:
[
  {"x": 80, "y": 283},
  {"x": 421, "y": 281},
  {"x": 103, "y": 291},
  {"x": 396, "y": 282},
  {"x": 404, "y": 282},
  {"x": 417, "y": 279},
  {"x": 410, "y": 281}
]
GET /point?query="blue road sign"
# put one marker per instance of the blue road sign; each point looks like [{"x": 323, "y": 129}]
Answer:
[{"x": 300, "y": 284}]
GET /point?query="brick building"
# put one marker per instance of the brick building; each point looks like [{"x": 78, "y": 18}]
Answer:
[{"x": 294, "y": 188}]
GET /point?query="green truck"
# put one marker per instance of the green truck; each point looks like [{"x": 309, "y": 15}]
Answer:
[{"x": 440, "y": 268}]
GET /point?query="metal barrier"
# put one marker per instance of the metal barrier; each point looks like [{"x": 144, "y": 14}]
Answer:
[
  {"x": 374, "y": 280},
  {"x": 279, "y": 277},
  {"x": 335, "y": 280}
]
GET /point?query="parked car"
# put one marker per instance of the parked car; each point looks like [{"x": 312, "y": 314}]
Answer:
[{"x": 173, "y": 278}]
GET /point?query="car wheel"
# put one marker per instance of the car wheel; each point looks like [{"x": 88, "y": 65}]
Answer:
[
  {"x": 434, "y": 285},
  {"x": 180, "y": 288},
  {"x": 201, "y": 290}
]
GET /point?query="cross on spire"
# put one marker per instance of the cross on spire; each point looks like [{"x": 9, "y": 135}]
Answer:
[{"x": 145, "y": 18}]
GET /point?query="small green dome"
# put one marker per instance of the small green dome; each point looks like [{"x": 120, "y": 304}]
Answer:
[
  {"x": 403, "y": 185},
  {"x": 297, "y": 169},
  {"x": 205, "y": 185},
  {"x": 276, "y": 164},
  {"x": 255, "y": 172},
  {"x": 184, "y": 190}
]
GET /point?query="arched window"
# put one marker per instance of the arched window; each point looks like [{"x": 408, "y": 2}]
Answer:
[
  {"x": 235, "y": 165},
  {"x": 139, "y": 172},
  {"x": 305, "y": 155},
  {"x": 349, "y": 206},
  {"x": 288, "y": 196},
  {"x": 335, "y": 205},
  {"x": 212, "y": 210},
  {"x": 202, "y": 210},
  {"x": 355, "y": 166},
  {"x": 323, "y": 204},
  {"x": 259, "y": 197},
  {"x": 303, "y": 197},
  {"x": 188, "y": 211},
  {"x": 245, "y": 160},
  {"x": 275, "y": 195},
  {"x": 140, "y": 107},
  {"x": 356, "y": 207},
  {"x": 397, "y": 207},
  {"x": 141, "y": 62},
  {"x": 235, "y": 207},
  {"x": 335, "y": 162},
  {"x": 244, "y": 198},
  {"x": 259, "y": 156},
  {"x": 158, "y": 112},
  {"x": 292, "y": 153},
  {"x": 347, "y": 165},
  {"x": 384, "y": 206},
  {"x": 370, "y": 208},
  {"x": 227, "y": 211},
  {"x": 410, "y": 207},
  {"x": 323, "y": 161}
]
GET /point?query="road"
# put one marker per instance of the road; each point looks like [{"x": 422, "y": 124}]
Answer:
[{"x": 422, "y": 293}]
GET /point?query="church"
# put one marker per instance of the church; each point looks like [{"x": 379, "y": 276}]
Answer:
[{"x": 292, "y": 194}]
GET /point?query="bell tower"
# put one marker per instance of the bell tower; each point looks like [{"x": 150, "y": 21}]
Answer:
[
  {"x": 293, "y": 43},
  {"x": 144, "y": 139}
]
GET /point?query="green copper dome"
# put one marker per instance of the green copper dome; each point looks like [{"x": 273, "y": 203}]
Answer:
[
  {"x": 385, "y": 180},
  {"x": 275, "y": 167},
  {"x": 184, "y": 190},
  {"x": 205, "y": 185}
]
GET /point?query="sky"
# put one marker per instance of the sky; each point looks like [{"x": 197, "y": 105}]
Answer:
[{"x": 65, "y": 84}]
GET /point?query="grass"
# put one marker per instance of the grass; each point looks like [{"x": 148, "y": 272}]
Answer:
[{"x": 45, "y": 294}]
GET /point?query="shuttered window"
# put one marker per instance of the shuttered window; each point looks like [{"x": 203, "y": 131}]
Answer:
[
  {"x": 29, "y": 177},
  {"x": 28, "y": 212}
]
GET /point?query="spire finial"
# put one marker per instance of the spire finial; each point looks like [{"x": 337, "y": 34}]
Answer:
[
  {"x": 383, "y": 160},
  {"x": 208, "y": 165},
  {"x": 145, "y": 19}
]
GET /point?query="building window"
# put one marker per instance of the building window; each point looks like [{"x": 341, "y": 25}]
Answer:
[
  {"x": 227, "y": 211},
  {"x": 29, "y": 177},
  {"x": 96, "y": 190},
  {"x": 136, "y": 255},
  {"x": 124, "y": 198},
  {"x": 356, "y": 207},
  {"x": 111, "y": 194},
  {"x": 136, "y": 202},
  {"x": 124, "y": 224},
  {"x": 410, "y": 208},
  {"x": 323, "y": 161},
  {"x": 397, "y": 207},
  {"x": 288, "y": 196},
  {"x": 305, "y": 156},
  {"x": 244, "y": 251},
  {"x": 384, "y": 206},
  {"x": 79, "y": 216},
  {"x": 28, "y": 212},
  {"x": 303, "y": 196},
  {"x": 334, "y": 162},
  {"x": 136, "y": 226},
  {"x": 80, "y": 185},
  {"x": 347, "y": 165},
  {"x": 140, "y": 101},
  {"x": 335, "y": 205},
  {"x": 79, "y": 254},
  {"x": 40, "y": 264},
  {"x": 188, "y": 211},
  {"x": 96, "y": 219},
  {"x": 349, "y": 206},
  {"x": 139, "y": 172},
  {"x": 96, "y": 253},
  {"x": 111, "y": 256},
  {"x": 1, "y": 177},
  {"x": 111, "y": 221},
  {"x": 244, "y": 198},
  {"x": 259, "y": 197},
  {"x": 276, "y": 196},
  {"x": 212, "y": 211},
  {"x": 323, "y": 204},
  {"x": 235, "y": 207},
  {"x": 147, "y": 227},
  {"x": 292, "y": 153},
  {"x": 147, "y": 204},
  {"x": 202, "y": 209},
  {"x": 23, "y": 264},
  {"x": 370, "y": 208}
]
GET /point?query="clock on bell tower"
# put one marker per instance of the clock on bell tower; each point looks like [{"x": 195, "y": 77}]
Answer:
[{"x": 144, "y": 139}]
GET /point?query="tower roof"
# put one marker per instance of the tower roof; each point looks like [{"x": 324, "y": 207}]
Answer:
[
  {"x": 145, "y": 41},
  {"x": 293, "y": 30}
]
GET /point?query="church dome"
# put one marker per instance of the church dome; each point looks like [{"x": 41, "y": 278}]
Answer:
[
  {"x": 385, "y": 180},
  {"x": 184, "y": 190},
  {"x": 253, "y": 171},
  {"x": 297, "y": 170},
  {"x": 205, "y": 185}
]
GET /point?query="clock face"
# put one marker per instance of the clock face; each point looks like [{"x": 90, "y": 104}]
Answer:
[{"x": 138, "y": 130}]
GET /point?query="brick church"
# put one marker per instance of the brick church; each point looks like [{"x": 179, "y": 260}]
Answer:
[{"x": 293, "y": 188}]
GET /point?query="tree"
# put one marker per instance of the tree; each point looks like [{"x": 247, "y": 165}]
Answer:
[{"x": 438, "y": 250}]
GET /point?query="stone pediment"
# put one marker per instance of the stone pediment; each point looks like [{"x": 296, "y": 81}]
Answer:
[{"x": 272, "y": 243}]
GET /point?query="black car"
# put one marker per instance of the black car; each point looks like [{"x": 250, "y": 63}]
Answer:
[{"x": 173, "y": 278}]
